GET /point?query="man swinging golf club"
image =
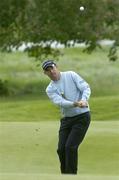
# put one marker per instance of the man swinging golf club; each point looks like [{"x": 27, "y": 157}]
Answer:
[{"x": 71, "y": 93}]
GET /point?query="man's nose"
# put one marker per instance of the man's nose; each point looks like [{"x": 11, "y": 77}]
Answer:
[{"x": 51, "y": 70}]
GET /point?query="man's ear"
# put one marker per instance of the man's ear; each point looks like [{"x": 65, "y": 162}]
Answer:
[{"x": 44, "y": 72}]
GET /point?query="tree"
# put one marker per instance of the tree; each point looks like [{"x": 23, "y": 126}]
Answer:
[
  {"x": 43, "y": 22},
  {"x": 12, "y": 16}
]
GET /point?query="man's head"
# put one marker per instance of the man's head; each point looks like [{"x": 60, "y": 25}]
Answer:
[{"x": 51, "y": 70}]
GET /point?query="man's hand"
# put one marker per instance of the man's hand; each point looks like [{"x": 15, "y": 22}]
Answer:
[{"x": 81, "y": 104}]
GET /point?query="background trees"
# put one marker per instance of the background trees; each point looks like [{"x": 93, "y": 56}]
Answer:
[{"x": 43, "y": 22}]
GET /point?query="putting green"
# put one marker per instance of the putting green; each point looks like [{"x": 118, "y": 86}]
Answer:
[{"x": 28, "y": 151}]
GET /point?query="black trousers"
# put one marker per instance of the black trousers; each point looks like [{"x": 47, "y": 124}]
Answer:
[{"x": 71, "y": 133}]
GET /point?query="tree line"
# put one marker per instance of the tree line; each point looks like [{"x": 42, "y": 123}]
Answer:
[{"x": 44, "y": 22}]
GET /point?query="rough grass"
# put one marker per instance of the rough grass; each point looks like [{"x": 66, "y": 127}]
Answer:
[
  {"x": 102, "y": 75},
  {"x": 25, "y": 77}
]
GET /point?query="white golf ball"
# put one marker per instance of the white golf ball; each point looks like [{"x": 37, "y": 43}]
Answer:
[{"x": 81, "y": 8}]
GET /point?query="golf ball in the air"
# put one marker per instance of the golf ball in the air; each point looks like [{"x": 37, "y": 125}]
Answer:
[{"x": 81, "y": 8}]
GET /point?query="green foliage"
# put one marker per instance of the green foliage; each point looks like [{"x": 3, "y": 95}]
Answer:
[
  {"x": 44, "y": 22},
  {"x": 12, "y": 19},
  {"x": 38, "y": 51},
  {"x": 113, "y": 53},
  {"x": 4, "y": 91}
]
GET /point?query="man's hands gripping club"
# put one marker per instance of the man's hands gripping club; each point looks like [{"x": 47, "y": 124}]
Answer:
[{"x": 81, "y": 104}]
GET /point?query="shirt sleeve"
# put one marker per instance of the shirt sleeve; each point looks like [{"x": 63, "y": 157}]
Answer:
[
  {"x": 57, "y": 98},
  {"x": 82, "y": 85}
]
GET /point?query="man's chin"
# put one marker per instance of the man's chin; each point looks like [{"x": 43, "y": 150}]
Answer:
[{"x": 54, "y": 78}]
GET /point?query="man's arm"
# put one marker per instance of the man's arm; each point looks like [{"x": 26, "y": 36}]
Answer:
[
  {"x": 59, "y": 99},
  {"x": 84, "y": 88}
]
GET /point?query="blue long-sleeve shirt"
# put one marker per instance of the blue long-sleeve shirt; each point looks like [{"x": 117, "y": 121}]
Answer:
[{"x": 68, "y": 89}]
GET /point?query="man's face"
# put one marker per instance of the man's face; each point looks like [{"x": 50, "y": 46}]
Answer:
[{"x": 53, "y": 73}]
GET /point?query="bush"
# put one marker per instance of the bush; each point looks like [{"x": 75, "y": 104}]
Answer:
[{"x": 4, "y": 91}]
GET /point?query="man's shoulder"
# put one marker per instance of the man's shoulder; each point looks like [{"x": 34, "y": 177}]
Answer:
[
  {"x": 67, "y": 72},
  {"x": 50, "y": 86}
]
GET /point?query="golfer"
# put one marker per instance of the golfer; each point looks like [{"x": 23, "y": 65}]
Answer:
[{"x": 71, "y": 93}]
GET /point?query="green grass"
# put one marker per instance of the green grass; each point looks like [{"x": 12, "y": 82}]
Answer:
[
  {"x": 29, "y": 122},
  {"x": 29, "y": 149},
  {"x": 105, "y": 108},
  {"x": 34, "y": 109},
  {"x": 102, "y": 75},
  {"x": 27, "y": 109},
  {"x": 39, "y": 176},
  {"x": 25, "y": 77}
]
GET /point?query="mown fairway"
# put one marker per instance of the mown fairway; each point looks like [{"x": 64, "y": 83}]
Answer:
[{"x": 29, "y": 149}]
